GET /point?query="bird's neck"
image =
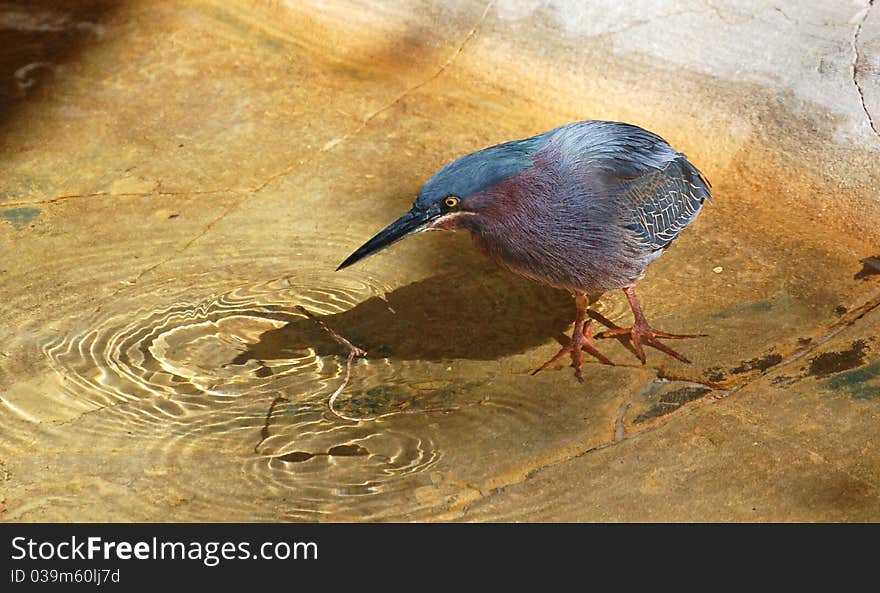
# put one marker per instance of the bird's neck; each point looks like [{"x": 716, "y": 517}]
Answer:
[{"x": 508, "y": 218}]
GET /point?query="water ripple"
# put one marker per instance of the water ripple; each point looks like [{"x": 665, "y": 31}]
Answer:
[{"x": 223, "y": 385}]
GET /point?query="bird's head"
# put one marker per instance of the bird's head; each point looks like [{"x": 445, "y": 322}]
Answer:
[{"x": 456, "y": 191}]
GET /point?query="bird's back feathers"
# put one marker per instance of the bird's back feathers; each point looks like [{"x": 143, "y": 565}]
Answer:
[
  {"x": 586, "y": 206},
  {"x": 661, "y": 190},
  {"x": 665, "y": 202},
  {"x": 625, "y": 150}
]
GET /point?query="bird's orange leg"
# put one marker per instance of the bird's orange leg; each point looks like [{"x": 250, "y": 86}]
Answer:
[
  {"x": 641, "y": 333},
  {"x": 581, "y": 341}
]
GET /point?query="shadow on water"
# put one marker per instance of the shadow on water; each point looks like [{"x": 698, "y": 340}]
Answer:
[{"x": 482, "y": 316}]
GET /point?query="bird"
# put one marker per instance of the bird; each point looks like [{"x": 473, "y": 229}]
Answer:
[{"x": 585, "y": 207}]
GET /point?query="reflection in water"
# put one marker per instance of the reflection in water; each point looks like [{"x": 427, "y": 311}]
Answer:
[{"x": 245, "y": 375}]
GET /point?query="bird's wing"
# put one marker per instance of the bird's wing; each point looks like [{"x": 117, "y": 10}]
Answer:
[{"x": 663, "y": 202}]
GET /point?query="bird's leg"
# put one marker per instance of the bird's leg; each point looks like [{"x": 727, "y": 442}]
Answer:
[
  {"x": 581, "y": 340},
  {"x": 641, "y": 333}
]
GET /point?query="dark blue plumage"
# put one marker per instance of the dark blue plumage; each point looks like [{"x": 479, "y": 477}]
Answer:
[
  {"x": 480, "y": 170},
  {"x": 585, "y": 207}
]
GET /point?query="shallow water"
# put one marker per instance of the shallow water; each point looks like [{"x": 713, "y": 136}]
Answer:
[
  {"x": 229, "y": 368},
  {"x": 190, "y": 175}
]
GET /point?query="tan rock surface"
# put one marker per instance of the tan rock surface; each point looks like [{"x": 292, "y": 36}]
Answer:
[{"x": 179, "y": 176}]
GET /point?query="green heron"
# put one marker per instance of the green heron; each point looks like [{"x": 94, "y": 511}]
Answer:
[{"x": 585, "y": 207}]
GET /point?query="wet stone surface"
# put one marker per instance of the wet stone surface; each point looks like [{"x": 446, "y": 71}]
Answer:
[{"x": 181, "y": 179}]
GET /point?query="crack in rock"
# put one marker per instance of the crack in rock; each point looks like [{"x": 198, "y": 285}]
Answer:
[
  {"x": 100, "y": 194},
  {"x": 855, "y": 64},
  {"x": 245, "y": 193},
  {"x": 406, "y": 92}
]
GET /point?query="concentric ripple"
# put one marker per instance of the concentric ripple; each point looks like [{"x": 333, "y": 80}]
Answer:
[
  {"x": 223, "y": 383},
  {"x": 187, "y": 350},
  {"x": 183, "y": 380}
]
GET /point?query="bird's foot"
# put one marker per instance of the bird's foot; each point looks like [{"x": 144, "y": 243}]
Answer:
[
  {"x": 581, "y": 341},
  {"x": 642, "y": 334}
]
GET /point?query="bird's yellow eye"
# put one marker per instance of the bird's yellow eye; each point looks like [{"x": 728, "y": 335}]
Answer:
[{"x": 451, "y": 202}]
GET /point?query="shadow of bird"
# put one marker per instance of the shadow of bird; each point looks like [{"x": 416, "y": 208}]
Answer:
[{"x": 451, "y": 316}]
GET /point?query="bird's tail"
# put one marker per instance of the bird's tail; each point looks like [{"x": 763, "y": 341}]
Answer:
[{"x": 695, "y": 178}]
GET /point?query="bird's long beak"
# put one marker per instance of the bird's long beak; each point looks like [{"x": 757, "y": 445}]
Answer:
[{"x": 412, "y": 222}]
